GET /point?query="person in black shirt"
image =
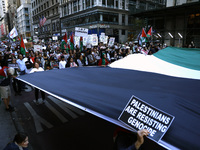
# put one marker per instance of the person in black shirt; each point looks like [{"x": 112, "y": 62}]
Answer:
[{"x": 5, "y": 88}]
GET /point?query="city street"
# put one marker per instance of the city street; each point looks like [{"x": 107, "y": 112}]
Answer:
[{"x": 57, "y": 125}]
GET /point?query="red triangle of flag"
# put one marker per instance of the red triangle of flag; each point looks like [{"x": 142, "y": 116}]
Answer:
[
  {"x": 149, "y": 32},
  {"x": 143, "y": 33},
  {"x": 22, "y": 43},
  {"x": 65, "y": 37}
]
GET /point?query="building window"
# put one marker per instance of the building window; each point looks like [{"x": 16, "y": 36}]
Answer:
[
  {"x": 53, "y": 27},
  {"x": 52, "y": 2},
  {"x": 87, "y": 3},
  {"x": 123, "y": 19},
  {"x": 123, "y": 32},
  {"x": 123, "y": 4},
  {"x": 65, "y": 10},
  {"x": 110, "y": 3},
  {"x": 75, "y": 6},
  {"x": 79, "y": 5},
  {"x": 47, "y": 4},
  {"x": 104, "y": 2},
  {"x": 53, "y": 11}
]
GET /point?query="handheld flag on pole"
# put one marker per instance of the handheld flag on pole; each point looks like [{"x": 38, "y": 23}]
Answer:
[
  {"x": 64, "y": 42},
  {"x": 22, "y": 50},
  {"x": 142, "y": 37},
  {"x": 13, "y": 33},
  {"x": 81, "y": 43},
  {"x": 72, "y": 41},
  {"x": 143, "y": 33},
  {"x": 149, "y": 33}
]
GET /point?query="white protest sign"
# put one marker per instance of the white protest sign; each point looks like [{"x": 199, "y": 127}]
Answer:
[
  {"x": 139, "y": 115},
  {"x": 89, "y": 39},
  {"x": 94, "y": 40},
  {"x": 102, "y": 37},
  {"x": 37, "y": 48},
  {"x": 105, "y": 40},
  {"x": 85, "y": 41},
  {"x": 77, "y": 40},
  {"x": 81, "y": 32},
  {"x": 111, "y": 41}
]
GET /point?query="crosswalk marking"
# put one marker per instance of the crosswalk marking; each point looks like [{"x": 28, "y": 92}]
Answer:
[
  {"x": 67, "y": 108},
  {"x": 29, "y": 88},
  {"x": 59, "y": 115},
  {"x": 37, "y": 119}
]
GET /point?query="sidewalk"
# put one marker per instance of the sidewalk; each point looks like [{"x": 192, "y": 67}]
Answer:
[{"x": 7, "y": 126}]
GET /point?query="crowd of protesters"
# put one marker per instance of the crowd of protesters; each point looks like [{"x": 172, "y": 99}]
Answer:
[{"x": 53, "y": 57}]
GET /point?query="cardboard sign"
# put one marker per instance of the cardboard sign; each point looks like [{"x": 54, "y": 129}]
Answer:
[
  {"x": 81, "y": 32},
  {"x": 140, "y": 115},
  {"x": 28, "y": 45},
  {"x": 37, "y": 48}
]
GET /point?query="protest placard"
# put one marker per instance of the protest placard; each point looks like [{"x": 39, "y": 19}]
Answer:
[
  {"x": 111, "y": 41},
  {"x": 37, "y": 48},
  {"x": 140, "y": 115},
  {"x": 81, "y": 32}
]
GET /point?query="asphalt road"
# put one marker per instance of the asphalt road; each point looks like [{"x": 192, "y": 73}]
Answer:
[{"x": 58, "y": 125}]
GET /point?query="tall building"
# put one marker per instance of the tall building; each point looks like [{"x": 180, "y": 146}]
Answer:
[
  {"x": 171, "y": 3},
  {"x": 3, "y": 17},
  {"x": 23, "y": 20},
  {"x": 50, "y": 10},
  {"x": 176, "y": 25},
  {"x": 99, "y": 16}
]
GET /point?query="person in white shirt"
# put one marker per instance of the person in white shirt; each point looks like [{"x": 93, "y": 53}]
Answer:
[
  {"x": 21, "y": 69},
  {"x": 21, "y": 63},
  {"x": 38, "y": 69},
  {"x": 62, "y": 63}
]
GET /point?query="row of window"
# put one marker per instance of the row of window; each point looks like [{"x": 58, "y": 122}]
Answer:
[
  {"x": 55, "y": 26},
  {"x": 38, "y": 2},
  {"x": 99, "y": 17},
  {"x": 46, "y": 14},
  {"x": 80, "y": 5}
]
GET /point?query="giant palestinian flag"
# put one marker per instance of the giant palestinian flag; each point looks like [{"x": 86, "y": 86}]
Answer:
[{"x": 168, "y": 80}]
